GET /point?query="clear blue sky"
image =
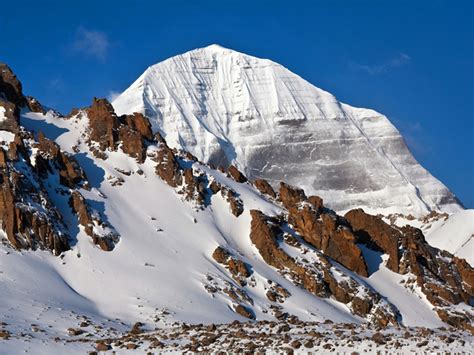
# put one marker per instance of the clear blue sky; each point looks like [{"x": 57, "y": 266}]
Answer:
[{"x": 411, "y": 60}]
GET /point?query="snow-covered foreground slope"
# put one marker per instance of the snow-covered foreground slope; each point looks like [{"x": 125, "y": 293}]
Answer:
[
  {"x": 227, "y": 107},
  {"x": 159, "y": 270}
]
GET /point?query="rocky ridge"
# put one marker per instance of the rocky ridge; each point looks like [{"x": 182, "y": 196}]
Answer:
[{"x": 308, "y": 244}]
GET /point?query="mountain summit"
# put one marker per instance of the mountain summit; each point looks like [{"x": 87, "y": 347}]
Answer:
[{"x": 226, "y": 108}]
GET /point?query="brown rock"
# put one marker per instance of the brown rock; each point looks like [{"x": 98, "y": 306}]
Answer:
[
  {"x": 236, "y": 174},
  {"x": 11, "y": 113},
  {"x": 264, "y": 187},
  {"x": 291, "y": 196},
  {"x": 373, "y": 231},
  {"x": 263, "y": 234},
  {"x": 101, "y": 346},
  {"x": 244, "y": 311},
  {"x": 132, "y": 143},
  {"x": 34, "y": 105},
  {"x": 70, "y": 173},
  {"x": 139, "y": 123},
  {"x": 236, "y": 204},
  {"x": 25, "y": 228},
  {"x": 328, "y": 232},
  {"x": 3, "y": 158},
  {"x": 167, "y": 165},
  {"x": 10, "y": 86},
  {"x": 103, "y": 124},
  {"x": 81, "y": 209},
  {"x": 316, "y": 201}
]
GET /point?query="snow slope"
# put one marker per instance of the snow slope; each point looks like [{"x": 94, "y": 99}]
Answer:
[
  {"x": 456, "y": 235},
  {"x": 228, "y": 107},
  {"x": 163, "y": 258}
]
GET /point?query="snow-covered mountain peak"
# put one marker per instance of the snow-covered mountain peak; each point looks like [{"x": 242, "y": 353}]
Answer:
[{"x": 228, "y": 107}]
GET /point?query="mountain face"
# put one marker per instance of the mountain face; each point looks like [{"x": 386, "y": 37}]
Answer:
[
  {"x": 104, "y": 225},
  {"x": 228, "y": 108}
]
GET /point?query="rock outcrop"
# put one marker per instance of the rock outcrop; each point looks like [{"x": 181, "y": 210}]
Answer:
[
  {"x": 103, "y": 124},
  {"x": 264, "y": 187},
  {"x": 27, "y": 227},
  {"x": 323, "y": 229},
  {"x": 236, "y": 174},
  {"x": 70, "y": 173},
  {"x": 11, "y": 87},
  {"x": 167, "y": 166},
  {"x": 317, "y": 279},
  {"x": 374, "y": 232},
  {"x": 92, "y": 223}
]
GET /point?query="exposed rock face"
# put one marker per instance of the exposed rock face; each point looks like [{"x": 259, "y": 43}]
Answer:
[
  {"x": 103, "y": 123},
  {"x": 236, "y": 174},
  {"x": 443, "y": 278},
  {"x": 244, "y": 311},
  {"x": 70, "y": 173},
  {"x": 167, "y": 164},
  {"x": 34, "y": 105},
  {"x": 132, "y": 143},
  {"x": 291, "y": 196},
  {"x": 239, "y": 270},
  {"x": 139, "y": 123},
  {"x": 90, "y": 223},
  {"x": 195, "y": 187},
  {"x": 108, "y": 130},
  {"x": 25, "y": 227},
  {"x": 317, "y": 279},
  {"x": 373, "y": 231},
  {"x": 331, "y": 234},
  {"x": 10, "y": 86},
  {"x": 431, "y": 266},
  {"x": 9, "y": 114},
  {"x": 236, "y": 204},
  {"x": 264, "y": 187}
]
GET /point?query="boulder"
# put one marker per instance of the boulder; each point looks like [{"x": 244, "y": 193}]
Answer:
[
  {"x": 291, "y": 196},
  {"x": 103, "y": 124},
  {"x": 236, "y": 175},
  {"x": 264, "y": 187},
  {"x": 374, "y": 232},
  {"x": 11, "y": 87}
]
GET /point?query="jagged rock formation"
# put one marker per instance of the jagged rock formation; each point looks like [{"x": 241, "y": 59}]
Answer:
[
  {"x": 175, "y": 209},
  {"x": 91, "y": 223}
]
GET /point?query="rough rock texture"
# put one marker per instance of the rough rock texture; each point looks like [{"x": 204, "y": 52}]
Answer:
[
  {"x": 70, "y": 173},
  {"x": 236, "y": 174},
  {"x": 373, "y": 231},
  {"x": 132, "y": 143},
  {"x": 264, "y": 187},
  {"x": 108, "y": 130},
  {"x": 89, "y": 222},
  {"x": 317, "y": 279},
  {"x": 103, "y": 124},
  {"x": 236, "y": 204},
  {"x": 139, "y": 123},
  {"x": 331, "y": 234},
  {"x": 167, "y": 166},
  {"x": 25, "y": 227},
  {"x": 443, "y": 278},
  {"x": 34, "y": 105},
  {"x": 239, "y": 270},
  {"x": 9, "y": 112},
  {"x": 291, "y": 196},
  {"x": 10, "y": 86},
  {"x": 195, "y": 187}
]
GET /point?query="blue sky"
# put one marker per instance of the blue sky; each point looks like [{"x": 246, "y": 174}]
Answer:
[{"x": 411, "y": 60}]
